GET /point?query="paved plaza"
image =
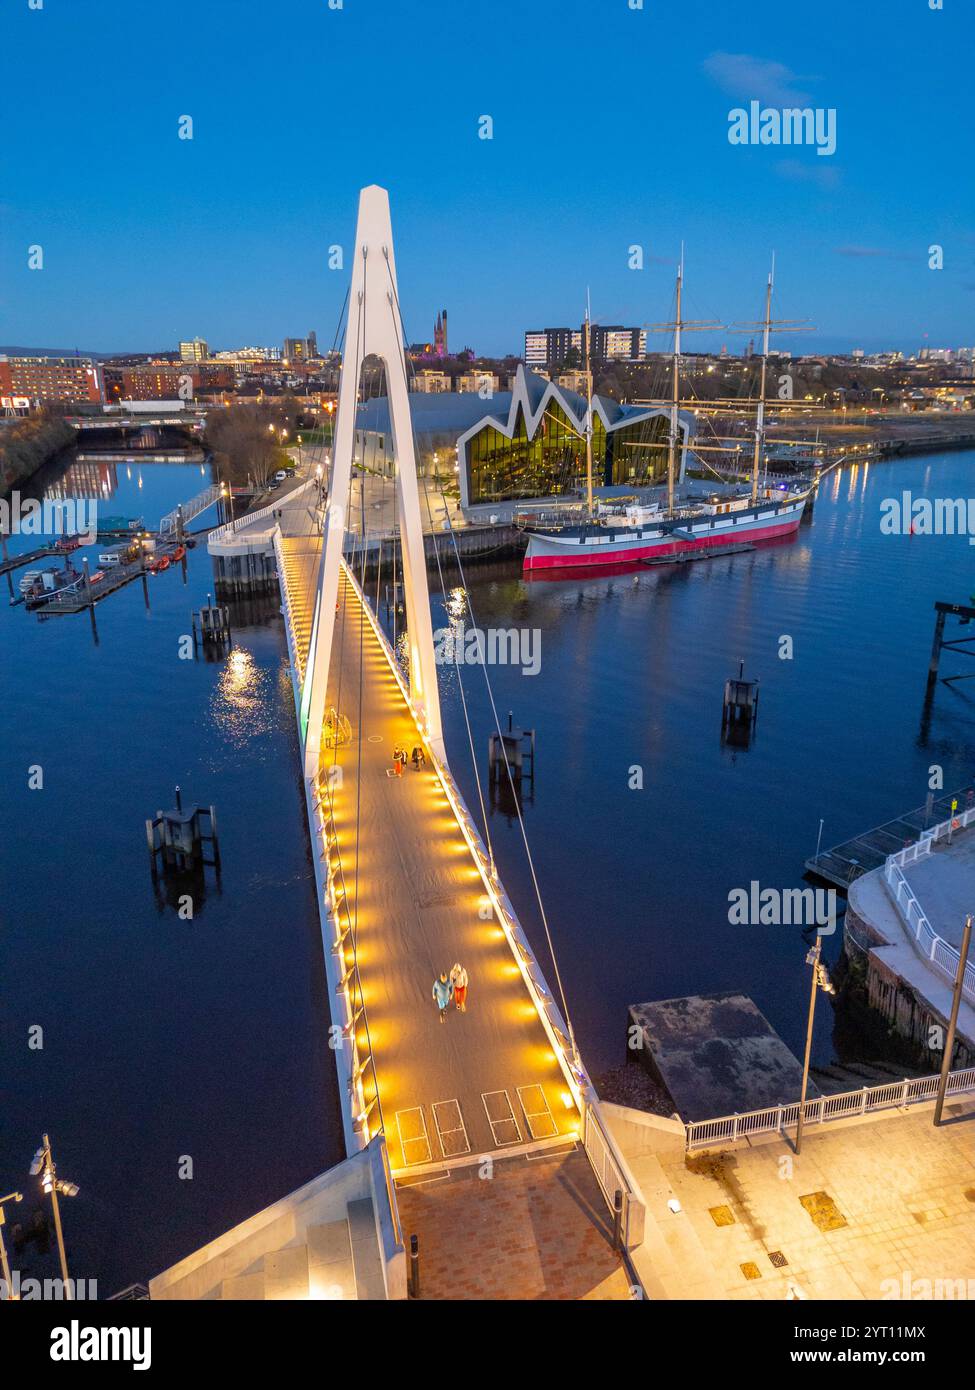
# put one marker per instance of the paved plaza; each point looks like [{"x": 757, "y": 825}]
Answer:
[{"x": 873, "y": 1208}]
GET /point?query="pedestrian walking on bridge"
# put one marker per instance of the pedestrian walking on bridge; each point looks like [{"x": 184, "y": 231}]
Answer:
[
  {"x": 442, "y": 994},
  {"x": 458, "y": 980}
]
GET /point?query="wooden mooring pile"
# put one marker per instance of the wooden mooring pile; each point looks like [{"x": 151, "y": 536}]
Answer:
[
  {"x": 179, "y": 839},
  {"x": 516, "y": 747}
]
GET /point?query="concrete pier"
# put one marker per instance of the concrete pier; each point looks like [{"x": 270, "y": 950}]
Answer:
[{"x": 908, "y": 976}]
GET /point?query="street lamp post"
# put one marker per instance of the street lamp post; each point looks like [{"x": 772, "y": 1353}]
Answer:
[
  {"x": 820, "y": 980},
  {"x": 43, "y": 1166},
  {"x": 953, "y": 1020},
  {"x": 4, "y": 1263}
]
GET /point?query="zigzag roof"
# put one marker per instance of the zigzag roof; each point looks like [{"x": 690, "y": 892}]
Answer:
[
  {"x": 532, "y": 395},
  {"x": 467, "y": 412}
]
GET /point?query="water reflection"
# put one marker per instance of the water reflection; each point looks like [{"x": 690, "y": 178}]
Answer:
[{"x": 242, "y": 705}]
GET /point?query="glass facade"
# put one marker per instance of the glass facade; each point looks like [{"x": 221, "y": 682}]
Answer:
[
  {"x": 637, "y": 453},
  {"x": 553, "y": 460}
]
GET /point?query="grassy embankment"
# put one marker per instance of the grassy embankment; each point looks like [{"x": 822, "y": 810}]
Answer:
[{"x": 27, "y": 444}]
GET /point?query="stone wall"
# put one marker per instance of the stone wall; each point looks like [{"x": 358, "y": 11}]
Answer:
[{"x": 898, "y": 1002}]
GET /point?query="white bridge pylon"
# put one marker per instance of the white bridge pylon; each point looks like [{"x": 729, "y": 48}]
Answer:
[{"x": 373, "y": 327}]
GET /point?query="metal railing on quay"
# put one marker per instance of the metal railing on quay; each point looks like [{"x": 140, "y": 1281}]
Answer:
[{"x": 890, "y": 1095}]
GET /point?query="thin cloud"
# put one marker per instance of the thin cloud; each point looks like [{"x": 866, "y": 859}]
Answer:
[
  {"x": 747, "y": 77},
  {"x": 796, "y": 172}
]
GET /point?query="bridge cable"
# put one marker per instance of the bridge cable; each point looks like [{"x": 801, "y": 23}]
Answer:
[
  {"x": 497, "y": 722},
  {"x": 443, "y": 588}
]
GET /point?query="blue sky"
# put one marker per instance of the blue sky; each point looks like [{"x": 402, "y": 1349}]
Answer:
[{"x": 610, "y": 129}]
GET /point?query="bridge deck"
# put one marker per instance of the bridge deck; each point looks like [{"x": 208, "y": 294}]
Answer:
[
  {"x": 419, "y": 895},
  {"x": 541, "y": 1228}
]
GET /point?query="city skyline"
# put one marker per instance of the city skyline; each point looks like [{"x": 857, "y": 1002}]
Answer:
[{"x": 228, "y": 234}]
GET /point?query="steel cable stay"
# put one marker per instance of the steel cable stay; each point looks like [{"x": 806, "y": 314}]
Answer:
[
  {"x": 396, "y": 308},
  {"x": 398, "y": 323}
]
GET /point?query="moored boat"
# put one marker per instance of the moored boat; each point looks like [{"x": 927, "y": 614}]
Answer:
[
  {"x": 49, "y": 583},
  {"x": 642, "y": 533},
  {"x": 627, "y": 534}
]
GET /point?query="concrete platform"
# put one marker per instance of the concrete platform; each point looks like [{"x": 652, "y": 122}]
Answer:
[
  {"x": 944, "y": 884},
  {"x": 904, "y": 1190},
  {"x": 716, "y": 1054}
]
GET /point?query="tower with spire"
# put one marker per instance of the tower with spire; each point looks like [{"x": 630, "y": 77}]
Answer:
[{"x": 440, "y": 334}]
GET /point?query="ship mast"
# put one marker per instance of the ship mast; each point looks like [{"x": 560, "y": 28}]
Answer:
[
  {"x": 675, "y": 400},
  {"x": 588, "y": 413},
  {"x": 760, "y": 413},
  {"x": 679, "y": 326}
]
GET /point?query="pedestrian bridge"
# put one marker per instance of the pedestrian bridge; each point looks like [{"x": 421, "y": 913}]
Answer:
[{"x": 406, "y": 889}]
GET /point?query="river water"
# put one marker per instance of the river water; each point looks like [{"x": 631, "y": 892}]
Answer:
[{"x": 170, "y": 1042}]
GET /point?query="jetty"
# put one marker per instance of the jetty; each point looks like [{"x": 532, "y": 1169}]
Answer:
[
  {"x": 861, "y": 854},
  {"x": 16, "y": 562}
]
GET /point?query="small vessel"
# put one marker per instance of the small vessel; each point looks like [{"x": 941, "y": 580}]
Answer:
[
  {"x": 118, "y": 554},
  {"x": 157, "y": 566},
  {"x": 115, "y": 525},
  {"x": 65, "y": 544},
  {"x": 49, "y": 583},
  {"x": 627, "y": 533},
  {"x": 178, "y": 554}
]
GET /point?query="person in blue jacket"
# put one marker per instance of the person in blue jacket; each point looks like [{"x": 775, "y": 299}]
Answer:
[{"x": 443, "y": 992}]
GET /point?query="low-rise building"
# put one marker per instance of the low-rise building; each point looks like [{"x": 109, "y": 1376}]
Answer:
[
  {"x": 485, "y": 383},
  {"x": 432, "y": 383},
  {"x": 525, "y": 443}
]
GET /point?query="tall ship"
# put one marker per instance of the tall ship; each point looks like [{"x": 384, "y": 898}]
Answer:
[{"x": 655, "y": 531}]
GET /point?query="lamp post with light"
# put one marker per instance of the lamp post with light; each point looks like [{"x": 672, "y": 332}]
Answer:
[
  {"x": 820, "y": 980},
  {"x": 4, "y": 1263},
  {"x": 966, "y": 941},
  {"x": 43, "y": 1167}
]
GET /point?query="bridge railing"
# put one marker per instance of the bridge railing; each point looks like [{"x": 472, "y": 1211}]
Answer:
[
  {"x": 613, "y": 1177},
  {"x": 230, "y": 528},
  {"x": 357, "y": 1068},
  {"x": 612, "y": 1171},
  {"x": 891, "y": 1095},
  {"x": 350, "y": 982},
  {"x": 190, "y": 509},
  {"x": 940, "y": 953}
]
